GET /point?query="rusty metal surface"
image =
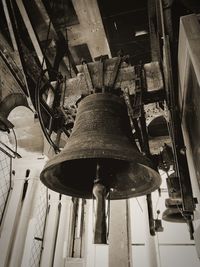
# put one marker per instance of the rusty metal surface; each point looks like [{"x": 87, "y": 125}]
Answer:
[{"x": 101, "y": 132}]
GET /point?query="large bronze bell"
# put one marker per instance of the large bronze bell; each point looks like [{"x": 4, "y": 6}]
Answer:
[{"x": 101, "y": 136}]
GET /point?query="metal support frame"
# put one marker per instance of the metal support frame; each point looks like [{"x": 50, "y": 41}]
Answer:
[{"x": 175, "y": 123}]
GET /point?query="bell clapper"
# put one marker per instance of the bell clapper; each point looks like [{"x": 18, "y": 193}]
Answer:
[{"x": 100, "y": 193}]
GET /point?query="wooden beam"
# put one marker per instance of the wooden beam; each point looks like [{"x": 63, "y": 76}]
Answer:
[
  {"x": 42, "y": 34},
  {"x": 57, "y": 47},
  {"x": 10, "y": 28},
  {"x": 31, "y": 32},
  {"x": 154, "y": 38},
  {"x": 120, "y": 254},
  {"x": 90, "y": 30}
]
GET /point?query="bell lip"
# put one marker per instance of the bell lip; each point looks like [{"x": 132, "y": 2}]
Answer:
[
  {"x": 167, "y": 216},
  {"x": 114, "y": 195}
]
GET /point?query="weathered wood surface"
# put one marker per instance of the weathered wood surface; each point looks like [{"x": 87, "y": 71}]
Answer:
[
  {"x": 100, "y": 74},
  {"x": 153, "y": 75},
  {"x": 96, "y": 75}
]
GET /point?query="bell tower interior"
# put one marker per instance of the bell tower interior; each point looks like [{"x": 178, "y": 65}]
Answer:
[{"x": 99, "y": 133}]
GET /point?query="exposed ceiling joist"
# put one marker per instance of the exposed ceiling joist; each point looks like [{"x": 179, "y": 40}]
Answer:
[
  {"x": 31, "y": 32},
  {"x": 90, "y": 30},
  {"x": 6, "y": 12}
]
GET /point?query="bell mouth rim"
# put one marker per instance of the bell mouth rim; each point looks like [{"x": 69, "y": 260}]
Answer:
[
  {"x": 59, "y": 187},
  {"x": 169, "y": 213}
]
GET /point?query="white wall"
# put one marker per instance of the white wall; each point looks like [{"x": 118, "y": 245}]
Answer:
[{"x": 23, "y": 221}]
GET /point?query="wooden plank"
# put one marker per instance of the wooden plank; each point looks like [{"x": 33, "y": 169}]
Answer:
[
  {"x": 75, "y": 88},
  {"x": 80, "y": 84},
  {"x": 90, "y": 30},
  {"x": 126, "y": 72},
  {"x": 113, "y": 77},
  {"x": 154, "y": 77},
  {"x": 119, "y": 236},
  {"x": 100, "y": 75},
  {"x": 88, "y": 78},
  {"x": 31, "y": 32},
  {"x": 10, "y": 28}
]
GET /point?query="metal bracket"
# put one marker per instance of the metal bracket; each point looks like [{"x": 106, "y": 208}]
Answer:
[{"x": 113, "y": 77}]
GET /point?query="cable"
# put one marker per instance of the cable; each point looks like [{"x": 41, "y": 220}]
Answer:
[
  {"x": 15, "y": 137},
  {"x": 139, "y": 205}
]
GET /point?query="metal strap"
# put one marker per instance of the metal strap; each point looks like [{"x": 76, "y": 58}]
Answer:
[
  {"x": 88, "y": 78},
  {"x": 114, "y": 75}
]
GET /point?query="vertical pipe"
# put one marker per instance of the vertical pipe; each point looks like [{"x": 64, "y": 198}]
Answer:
[{"x": 150, "y": 214}]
